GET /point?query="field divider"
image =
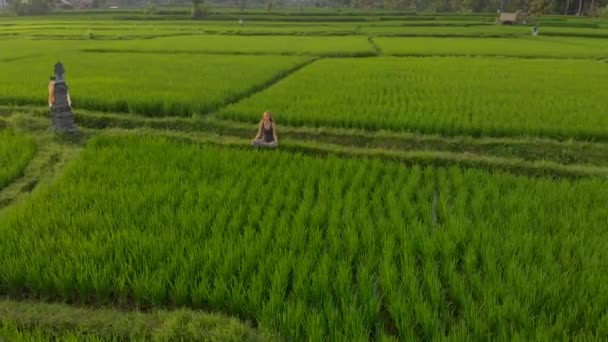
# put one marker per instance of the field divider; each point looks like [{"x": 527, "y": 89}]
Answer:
[
  {"x": 53, "y": 153},
  {"x": 233, "y": 53},
  {"x": 450, "y": 35},
  {"x": 485, "y": 153},
  {"x": 376, "y": 53},
  {"x": 448, "y": 55},
  {"x": 17, "y": 58},
  {"x": 413, "y": 157},
  {"x": 113, "y": 37},
  {"x": 49, "y": 160},
  {"x": 371, "y": 41},
  {"x": 527, "y": 148},
  {"x": 261, "y": 87},
  {"x": 440, "y": 158}
]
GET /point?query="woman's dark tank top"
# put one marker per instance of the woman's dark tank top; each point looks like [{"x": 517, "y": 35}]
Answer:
[{"x": 268, "y": 133}]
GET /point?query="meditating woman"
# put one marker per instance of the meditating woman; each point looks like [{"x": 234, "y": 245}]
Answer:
[{"x": 267, "y": 133}]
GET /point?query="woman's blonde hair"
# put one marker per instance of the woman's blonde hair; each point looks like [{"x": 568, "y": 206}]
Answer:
[{"x": 269, "y": 115}]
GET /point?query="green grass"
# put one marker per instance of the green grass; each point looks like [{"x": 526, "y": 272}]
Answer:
[
  {"x": 517, "y": 47},
  {"x": 343, "y": 249},
  {"x": 151, "y": 84},
  {"x": 16, "y": 150},
  {"x": 475, "y": 96}
]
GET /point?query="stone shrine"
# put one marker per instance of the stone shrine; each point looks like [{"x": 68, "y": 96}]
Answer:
[{"x": 61, "y": 106}]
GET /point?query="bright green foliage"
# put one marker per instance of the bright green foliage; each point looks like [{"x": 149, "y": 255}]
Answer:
[
  {"x": 517, "y": 47},
  {"x": 144, "y": 83},
  {"x": 441, "y": 95},
  {"x": 16, "y": 150},
  {"x": 323, "y": 248}
]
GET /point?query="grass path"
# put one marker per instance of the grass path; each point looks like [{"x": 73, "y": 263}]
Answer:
[
  {"x": 522, "y": 155},
  {"x": 421, "y": 157},
  {"x": 27, "y": 320},
  {"x": 52, "y": 155}
]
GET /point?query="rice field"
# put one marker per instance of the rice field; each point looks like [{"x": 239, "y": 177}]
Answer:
[
  {"x": 16, "y": 150},
  {"x": 316, "y": 247},
  {"x": 134, "y": 83},
  {"x": 479, "y": 96},
  {"x": 305, "y": 45},
  {"x": 550, "y": 47},
  {"x": 438, "y": 177}
]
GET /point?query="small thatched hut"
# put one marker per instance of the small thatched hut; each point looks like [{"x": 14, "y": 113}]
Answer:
[{"x": 510, "y": 18}]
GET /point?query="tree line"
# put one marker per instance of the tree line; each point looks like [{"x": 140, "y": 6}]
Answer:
[{"x": 565, "y": 7}]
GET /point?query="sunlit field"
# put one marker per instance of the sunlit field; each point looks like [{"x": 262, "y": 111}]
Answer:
[{"x": 437, "y": 176}]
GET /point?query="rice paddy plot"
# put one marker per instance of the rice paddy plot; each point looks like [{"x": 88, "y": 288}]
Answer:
[
  {"x": 126, "y": 29},
  {"x": 290, "y": 45},
  {"x": 318, "y": 248},
  {"x": 551, "y": 47},
  {"x": 16, "y": 150},
  {"x": 446, "y": 31},
  {"x": 155, "y": 85},
  {"x": 14, "y": 48},
  {"x": 455, "y": 95}
]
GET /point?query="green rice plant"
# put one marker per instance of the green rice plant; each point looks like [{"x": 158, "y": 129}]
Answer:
[
  {"x": 474, "y": 96},
  {"x": 16, "y": 150},
  {"x": 155, "y": 85},
  {"x": 315, "y": 247}
]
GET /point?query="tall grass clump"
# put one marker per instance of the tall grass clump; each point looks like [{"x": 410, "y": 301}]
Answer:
[{"x": 316, "y": 247}]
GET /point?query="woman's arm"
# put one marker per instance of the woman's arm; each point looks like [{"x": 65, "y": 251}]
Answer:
[
  {"x": 259, "y": 134},
  {"x": 274, "y": 132},
  {"x": 51, "y": 94}
]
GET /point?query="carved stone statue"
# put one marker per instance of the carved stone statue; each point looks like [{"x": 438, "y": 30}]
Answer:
[
  {"x": 59, "y": 72},
  {"x": 60, "y": 102}
]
